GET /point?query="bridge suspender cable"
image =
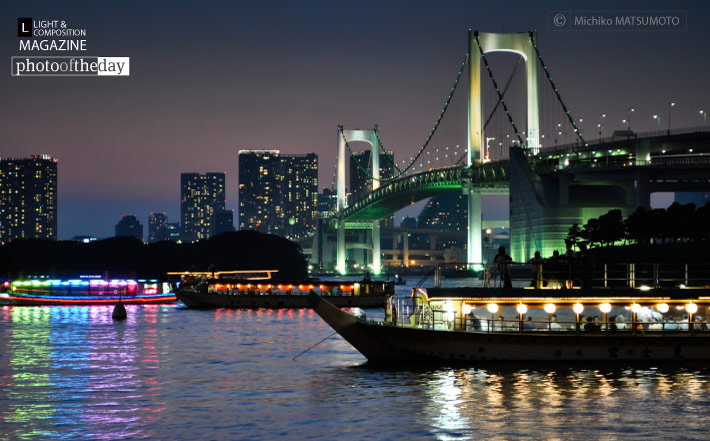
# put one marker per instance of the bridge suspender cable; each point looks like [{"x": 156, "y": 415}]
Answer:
[
  {"x": 559, "y": 98},
  {"x": 426, "y": 143},
  {"x": 500, "y": 96},
  {"x": 490, "y": 117},
  {"x": 510, "y": 79}
]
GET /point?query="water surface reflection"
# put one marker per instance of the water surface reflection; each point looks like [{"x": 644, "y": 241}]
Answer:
[{"x": 171, "y": 373}]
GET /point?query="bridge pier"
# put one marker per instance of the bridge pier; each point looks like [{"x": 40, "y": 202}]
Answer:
[
  {"x": 405, "y": 249},
  {"x": 475, "y": 225},
  {"x": 341, "y": 248},
  {"x": 376, "y": 249}
]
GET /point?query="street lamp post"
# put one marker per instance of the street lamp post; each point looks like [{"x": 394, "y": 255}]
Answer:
[
  {"x": 705, "y": 116},
  {"x": 671, "y": 105},
  {"x": 488, "y": 259},
  {"x": 657, "y": 118},
  {"x": 601, "y": 125},
  {"x": 628, "y": 122}
]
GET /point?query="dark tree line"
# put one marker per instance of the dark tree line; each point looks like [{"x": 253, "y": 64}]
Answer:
[
  {"x": 677, "y": 223},
  {"x": 129, "y": 257}
]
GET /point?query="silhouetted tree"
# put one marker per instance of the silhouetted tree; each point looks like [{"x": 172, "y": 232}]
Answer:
[
  {"x": 574, "y": 236},
  {"x": 679, "y": 219},
  {"x": 591, "y": 233},
  {"x": 611, "y": 227},
  {"x": 702, "y": 223},
  {"x": 129, "y": 257},
  {"x": 635, "y": 226}
]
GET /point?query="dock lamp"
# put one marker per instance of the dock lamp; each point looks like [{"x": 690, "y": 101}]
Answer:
[
  {"x": 577, "y": 308},
  {"x": 692, "y": 308},
  {"x": 605, "y": 308},
  {"x": 492, "y": 308},
  {"x": 550, "y": 309},
  {"x": 522, "y": 309}
]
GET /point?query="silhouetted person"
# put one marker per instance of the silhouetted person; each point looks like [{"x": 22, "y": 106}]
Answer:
[
  {"x": 503, "y": 262},
  {"x": 529, "y": 325},
  {"x": 556, "y": 266},
  {"x": 536, "y": 270},
  {"x": 593, "y": 324}
]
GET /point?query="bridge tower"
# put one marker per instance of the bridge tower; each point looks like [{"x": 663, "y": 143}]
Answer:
[
  {"x": 369, "y": 136},
  {"x": 519, "y": 43}
]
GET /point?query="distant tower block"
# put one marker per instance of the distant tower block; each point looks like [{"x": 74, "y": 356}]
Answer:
[{"x": 519, "y": 43}]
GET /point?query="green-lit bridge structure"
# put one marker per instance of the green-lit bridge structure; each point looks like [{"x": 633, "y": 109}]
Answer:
[
  {"x": 550, "y": 188},
  {"x": 488, "y": 178}
]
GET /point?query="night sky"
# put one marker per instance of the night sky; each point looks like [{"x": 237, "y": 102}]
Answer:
[{"x": 211, "y": 78}]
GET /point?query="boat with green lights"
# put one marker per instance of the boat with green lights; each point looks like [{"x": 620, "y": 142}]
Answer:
[
  {"x": 474, "y": 325},
  {"x": 85, "y": 291}
]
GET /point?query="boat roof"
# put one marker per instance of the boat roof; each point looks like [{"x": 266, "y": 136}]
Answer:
[{"x": 566, "y": 295}]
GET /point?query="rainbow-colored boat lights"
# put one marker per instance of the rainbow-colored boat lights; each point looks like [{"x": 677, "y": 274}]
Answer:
[{"x": 85, "y": 291}]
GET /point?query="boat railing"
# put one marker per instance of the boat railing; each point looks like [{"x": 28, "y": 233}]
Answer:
[
  {"x": 612, "y": 275},
  {"x": 448, "y": 320}
]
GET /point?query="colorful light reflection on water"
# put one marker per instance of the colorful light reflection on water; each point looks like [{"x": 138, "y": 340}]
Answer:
[{"x": 171, "y": 373}]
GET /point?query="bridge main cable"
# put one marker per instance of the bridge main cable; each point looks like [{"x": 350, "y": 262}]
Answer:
[{"x": 426, "y": 143}]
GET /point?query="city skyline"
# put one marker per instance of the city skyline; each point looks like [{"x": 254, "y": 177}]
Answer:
[{"x": 284, "y": 78}]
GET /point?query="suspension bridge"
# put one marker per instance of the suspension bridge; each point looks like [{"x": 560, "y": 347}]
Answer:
[{"x": 553, "y": 175}]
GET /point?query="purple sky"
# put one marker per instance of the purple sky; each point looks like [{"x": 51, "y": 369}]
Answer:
[{"x": 211, "y": 78}]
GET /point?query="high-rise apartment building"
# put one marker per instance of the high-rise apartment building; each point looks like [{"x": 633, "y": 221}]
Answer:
[
  {"x": 327, "y": 202},
  {"x": 360, "y": 182},
  {"x": 201, "y": 196},
  {"x": 129, "y": 226},
  {"x": 222, "y": 222},
  {"x": 28, "y": 198},
  {"x": 158, "y": 227},
  {"x": 446, "y": 211},
  {"x": 278, "y": 193}
]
